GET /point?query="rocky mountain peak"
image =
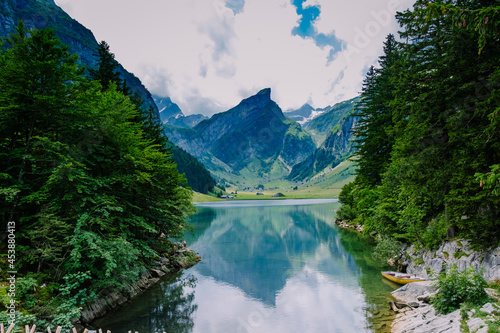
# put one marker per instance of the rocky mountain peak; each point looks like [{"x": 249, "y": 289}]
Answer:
[
  {"x": 265, "y": 92},
  {"x": 258, "y": 100}
]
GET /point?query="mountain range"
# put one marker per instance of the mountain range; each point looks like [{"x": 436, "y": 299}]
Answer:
[
  {"x": 253, "y": 143},
  {"x": 171, "y": 114},
  {"x": 40, "y": 14}
]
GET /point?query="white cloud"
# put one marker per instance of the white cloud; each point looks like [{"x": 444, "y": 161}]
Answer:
[{"x": 207, "y": 57}]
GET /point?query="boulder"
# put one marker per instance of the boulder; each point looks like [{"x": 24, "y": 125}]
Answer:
[
  {"x": 489, "y": 308},
  {"x": 164, "y": 261},
  {"x": 425, "y": 297},
  {"x": 491, "y": 263},
  {"x": 492, "y": 293},
  {"x": 410, "y": 292},
  {"x": 157, "y": 273}
]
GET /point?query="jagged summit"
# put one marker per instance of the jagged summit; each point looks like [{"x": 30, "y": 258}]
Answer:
[
  {"x": 254, "y": 135},
  {"x": 265, "y": 92},
  {"x": 258, "y": 100}
]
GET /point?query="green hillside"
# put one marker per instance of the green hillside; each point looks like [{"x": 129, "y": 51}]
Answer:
[{"x": 321, "y": 126}]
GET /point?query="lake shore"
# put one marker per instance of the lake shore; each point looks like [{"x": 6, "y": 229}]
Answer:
[
  {"x": 175, "y": 261},
  {"x": 420, "y": 316},
  {"x": 198, "y": 197}
]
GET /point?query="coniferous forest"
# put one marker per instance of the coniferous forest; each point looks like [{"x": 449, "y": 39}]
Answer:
[
  {"x": 89, "y": 186},
  {"x": 428, "y": 137},
  {"x": 87, "y": 180}
]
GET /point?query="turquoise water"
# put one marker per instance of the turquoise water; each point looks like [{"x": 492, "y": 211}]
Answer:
[{"x": 268, "y": 266}]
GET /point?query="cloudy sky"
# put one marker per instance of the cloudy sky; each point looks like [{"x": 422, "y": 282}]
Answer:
[{"x": 207, "y": 55}]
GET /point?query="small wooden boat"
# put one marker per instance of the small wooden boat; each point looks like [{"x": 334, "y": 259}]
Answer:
[{"x": 401, "y": 278}]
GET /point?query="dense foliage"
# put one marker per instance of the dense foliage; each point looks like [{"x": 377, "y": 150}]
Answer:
[
  {"x": 456, "y": 287},
  {"x": 428, "y": 138},
  {"x": 85, "y": 176},
  {"x": 198, "y": 177}
]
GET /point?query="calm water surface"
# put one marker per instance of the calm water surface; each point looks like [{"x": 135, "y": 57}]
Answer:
[{"x": 268, "y": 266}]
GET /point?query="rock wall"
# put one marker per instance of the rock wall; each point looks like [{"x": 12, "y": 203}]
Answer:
[
  {"x": 110, "y": 299},
  {"x": 458, "y": 252}
]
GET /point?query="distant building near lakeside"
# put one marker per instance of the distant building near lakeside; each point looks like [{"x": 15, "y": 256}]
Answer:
[{"x": 227, "y": 197}]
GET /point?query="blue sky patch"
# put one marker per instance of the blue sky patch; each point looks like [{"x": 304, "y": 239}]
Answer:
[
  {"x": 235, "y": 5},
  {"x": 306, "y": 28}
]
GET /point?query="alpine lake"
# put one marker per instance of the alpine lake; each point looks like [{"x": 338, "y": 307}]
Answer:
[{"x": 267, "y": 266}]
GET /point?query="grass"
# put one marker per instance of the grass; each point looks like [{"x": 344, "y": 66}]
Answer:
[
  {"x": 459, "y": 254},
  {"x": 418, "y": 261},
  {"x": 325, "y": 185},
  {"x": 492, "y": 322},
  {"x": 198, "y": 197}
]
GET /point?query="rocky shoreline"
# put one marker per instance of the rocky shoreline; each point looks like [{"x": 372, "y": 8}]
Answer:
[
  {"x": 345, "y": 225},
  {"x": 420, "y": 316},
  {"x": 457, "y": 252},
  {"x": 176, "y": 261},
  {"x": 416, "y": 314}
]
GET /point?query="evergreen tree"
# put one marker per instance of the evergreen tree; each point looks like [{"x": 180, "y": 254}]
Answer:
[
  {"x": 91, "y": 195},
  {"x": 36, "y": 104},
  {"x": 374, "y": 140},
  {"x": 107, "y": 69},
  {"x": 431, "y": 114},
  {"x": 373, "y": 132}
]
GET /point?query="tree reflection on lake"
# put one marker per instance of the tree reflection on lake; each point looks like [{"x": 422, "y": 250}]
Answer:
[{"x": 267, "y": 267}]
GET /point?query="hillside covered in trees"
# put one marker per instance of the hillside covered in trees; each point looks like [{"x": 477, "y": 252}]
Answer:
[
  {"x": 428, "y": 136},
  {"x": 87, "y": 180}
]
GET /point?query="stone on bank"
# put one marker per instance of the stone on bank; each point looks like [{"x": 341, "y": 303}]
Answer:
[{"x": 180, "y": 259}]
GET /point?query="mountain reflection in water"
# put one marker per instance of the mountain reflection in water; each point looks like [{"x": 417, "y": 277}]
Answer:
[{"x": 267, "y": 267}]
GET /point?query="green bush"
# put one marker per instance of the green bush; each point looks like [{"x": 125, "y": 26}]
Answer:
[
  {"x": 456, "y": 287},
  {"x": 346, "y": 213},
  {"x": 388, "y": 250}
]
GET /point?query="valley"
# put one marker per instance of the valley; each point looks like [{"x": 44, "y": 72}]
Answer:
[
  {"x": 108, "y": 186},
  {"x": 257, "y": 144},
  {"x": 326, "y": 184}
]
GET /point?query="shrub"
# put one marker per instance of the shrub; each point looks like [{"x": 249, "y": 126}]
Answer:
[
  {"x": 456, "y": 287},
  {"x": 346, "y": 213},
  {"x": 388, "y": 250}
]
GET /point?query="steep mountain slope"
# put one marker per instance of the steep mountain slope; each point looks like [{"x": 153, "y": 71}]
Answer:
[
  {"x": 171, "y": 114},
  {"x": 321, "y": 126},
  {"x": 198, "y": 177},
  {"x": 167, "y": 108},
  {"x": 40, "y": 14},
  {"x": 301, "y": 114},
  {"x": 253, "y": 138},
  {"x": 306, "y": 113},
  {"x": 336, "y": 148}
]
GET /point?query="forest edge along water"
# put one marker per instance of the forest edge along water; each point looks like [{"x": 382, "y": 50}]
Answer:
[{"x": 279, "y": 266}]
